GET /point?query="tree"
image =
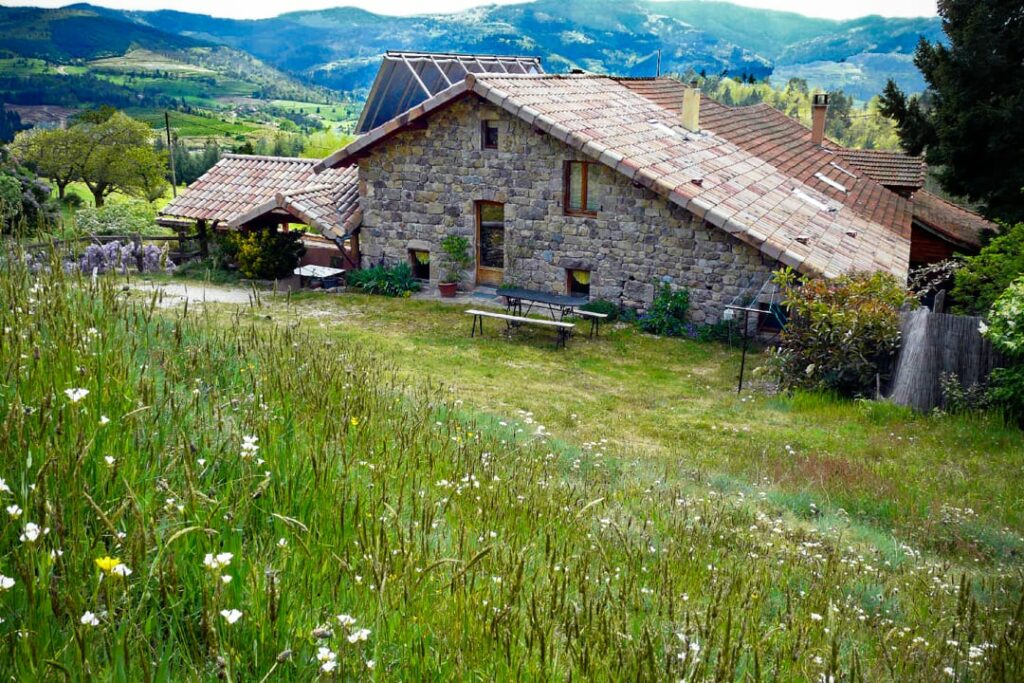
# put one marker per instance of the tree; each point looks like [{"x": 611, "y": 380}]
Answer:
[
  {"x": 837, "y": 117},
  {"x": 968, "y": 121},
  {"x": 117, "y": 154},
  {"x": 10, "y": 123},
  {"x": 983, "y": 278},
  {"x": 52, "y": 153}
]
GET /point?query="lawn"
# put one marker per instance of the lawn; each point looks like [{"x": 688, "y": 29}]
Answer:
[
  {"x": 673, "y": 403},
  {"x": 350, "y": 487}
]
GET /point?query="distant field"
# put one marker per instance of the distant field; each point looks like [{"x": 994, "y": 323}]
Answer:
[
  {"x": 23, "y": 66},
  {"x": 335, "y": 113},
  {"x": 194, "y": 125},
  {"x": 145, "y": 60}
]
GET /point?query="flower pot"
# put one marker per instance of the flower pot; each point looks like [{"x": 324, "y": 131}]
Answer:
[{"x": 448, "y": 289}]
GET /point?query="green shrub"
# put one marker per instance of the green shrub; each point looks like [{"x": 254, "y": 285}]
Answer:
[
  {"x": 224, "y": 249},
  {"x": 609, "y": 308},
  {"x": 984, "y": 277},
  {"x": 722, "y": 331},
  {"x": 128, "y": 217},
  {"x": 266, "y": 255},
  {"x": 957, "y": 398},
  {"x": 394, "y": 281},
  {"x": 1005, "y": 328},
  {"x": 667, "y": 314},
  {"x": 842, "y": 333},
  {"x": 456, "y": 257}
]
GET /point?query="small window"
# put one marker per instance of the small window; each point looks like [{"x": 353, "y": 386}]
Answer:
[
  {"x": 489, "y": 134},
  {"x": 578, "y": 282},
  {"x": 581, "y": 191},
  {"x": 420, "y": 262}
]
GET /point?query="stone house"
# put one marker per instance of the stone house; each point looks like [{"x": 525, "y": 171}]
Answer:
[{"x": 580, "y": 183}]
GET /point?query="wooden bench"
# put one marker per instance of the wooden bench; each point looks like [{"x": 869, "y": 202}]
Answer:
[
  {"x": 564, "y": 329},
  {"x": 595, "y": 320}
]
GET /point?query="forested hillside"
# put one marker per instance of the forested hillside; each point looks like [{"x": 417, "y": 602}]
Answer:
[{"x": 340, "y": 48}]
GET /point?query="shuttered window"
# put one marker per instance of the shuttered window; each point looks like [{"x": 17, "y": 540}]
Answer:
[{"x": 581, "y": 188}]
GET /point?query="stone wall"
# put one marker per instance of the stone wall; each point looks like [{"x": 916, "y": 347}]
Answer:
[{"x": 421, "y": 185}]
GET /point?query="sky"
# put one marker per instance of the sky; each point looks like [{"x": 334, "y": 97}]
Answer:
[{"x": 254, "y": 9}]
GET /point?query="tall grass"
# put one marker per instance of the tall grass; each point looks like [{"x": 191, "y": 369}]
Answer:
[{"x": 246, "y": 504}]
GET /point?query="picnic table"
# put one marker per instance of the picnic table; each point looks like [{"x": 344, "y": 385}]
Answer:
[{"x": 560, "y": 304}]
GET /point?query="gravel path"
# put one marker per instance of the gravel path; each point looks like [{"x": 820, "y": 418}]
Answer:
[{"x": 177, "y": 293}]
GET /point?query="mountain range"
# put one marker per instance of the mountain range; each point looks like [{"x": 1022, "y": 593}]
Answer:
[{"x": 340, "y": 48}]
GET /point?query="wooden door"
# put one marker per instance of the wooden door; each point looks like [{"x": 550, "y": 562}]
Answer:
[{"x": 490, "y": 243}]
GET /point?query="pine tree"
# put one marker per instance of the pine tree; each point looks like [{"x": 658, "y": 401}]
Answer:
[{"x": 968, "y": 121}]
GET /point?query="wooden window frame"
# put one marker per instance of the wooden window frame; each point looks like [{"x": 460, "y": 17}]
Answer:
[
  {"x": 483, "y": 134},
  {"x": 567, "y": 180}
]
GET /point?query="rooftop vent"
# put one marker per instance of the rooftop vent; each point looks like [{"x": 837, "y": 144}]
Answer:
[{"x": 831, "y": 183}]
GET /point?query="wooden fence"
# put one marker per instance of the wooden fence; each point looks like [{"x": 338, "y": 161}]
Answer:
[
  {"x": 934, "y": 344},
  {"x": 176, "y": 255}
]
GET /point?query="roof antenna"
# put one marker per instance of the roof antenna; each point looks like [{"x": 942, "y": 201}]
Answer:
[{"x": 658, "y": 75}]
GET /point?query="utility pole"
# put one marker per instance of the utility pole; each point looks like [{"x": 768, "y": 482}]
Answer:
[
  {"x": 170, "y": 155},
  {"x": 658, "y": 75}
]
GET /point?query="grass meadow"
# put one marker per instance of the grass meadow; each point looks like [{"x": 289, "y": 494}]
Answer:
[{"x": 305, "y": 490}]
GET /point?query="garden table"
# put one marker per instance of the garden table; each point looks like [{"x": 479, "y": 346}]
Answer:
[{"x": 562, "y": 304}]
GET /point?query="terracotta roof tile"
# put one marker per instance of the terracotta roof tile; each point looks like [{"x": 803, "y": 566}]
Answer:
[
  {"x": 953, "y": 222},
  {"x": 892, "y": 169},
  {"x": 241, "y": 187},
  {"x": 238, "y": 182},
  {"x": 784, "y": 142}
]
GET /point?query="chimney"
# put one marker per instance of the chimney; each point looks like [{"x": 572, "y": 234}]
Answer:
[
  {"x": 819, "y": 106},
  {"x": 690, "y": 115}
]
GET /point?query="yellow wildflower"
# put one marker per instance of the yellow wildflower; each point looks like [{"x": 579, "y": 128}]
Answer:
[
  {"x": 107, "y": 564},
  {"x": 355, "y": 421}
]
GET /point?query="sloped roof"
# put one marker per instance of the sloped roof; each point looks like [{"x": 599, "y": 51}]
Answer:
[
  {"x": 236, "y": 183},
  {"x": 951, "y": 221},
  {"x": 892, "y": 169},
  {"x": 785, "y": 143},
  {"x": 407, "y": 78},
  {"x": 704, "y": 173},
  {"x": 330, "y": 204}
]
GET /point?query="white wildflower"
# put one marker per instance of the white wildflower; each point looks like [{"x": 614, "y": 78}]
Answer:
[
  {"x": 231, "y": 615},
  {"x": 90, "y": 619},
  {"x": 14, "y": 511},
  {"x": 76, "y": 395},
  {"x": 359, "y": 635},
  {"x": 31, "y": 533},
  {"x": 6, "y": 583},
  {"x": 218, "y": 561},
  {"x": 121, "y": 570},
  {"x": 346, "y": 620}
]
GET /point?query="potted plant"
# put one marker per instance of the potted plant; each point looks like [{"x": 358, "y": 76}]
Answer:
[{"x": 457, "y": 260}]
